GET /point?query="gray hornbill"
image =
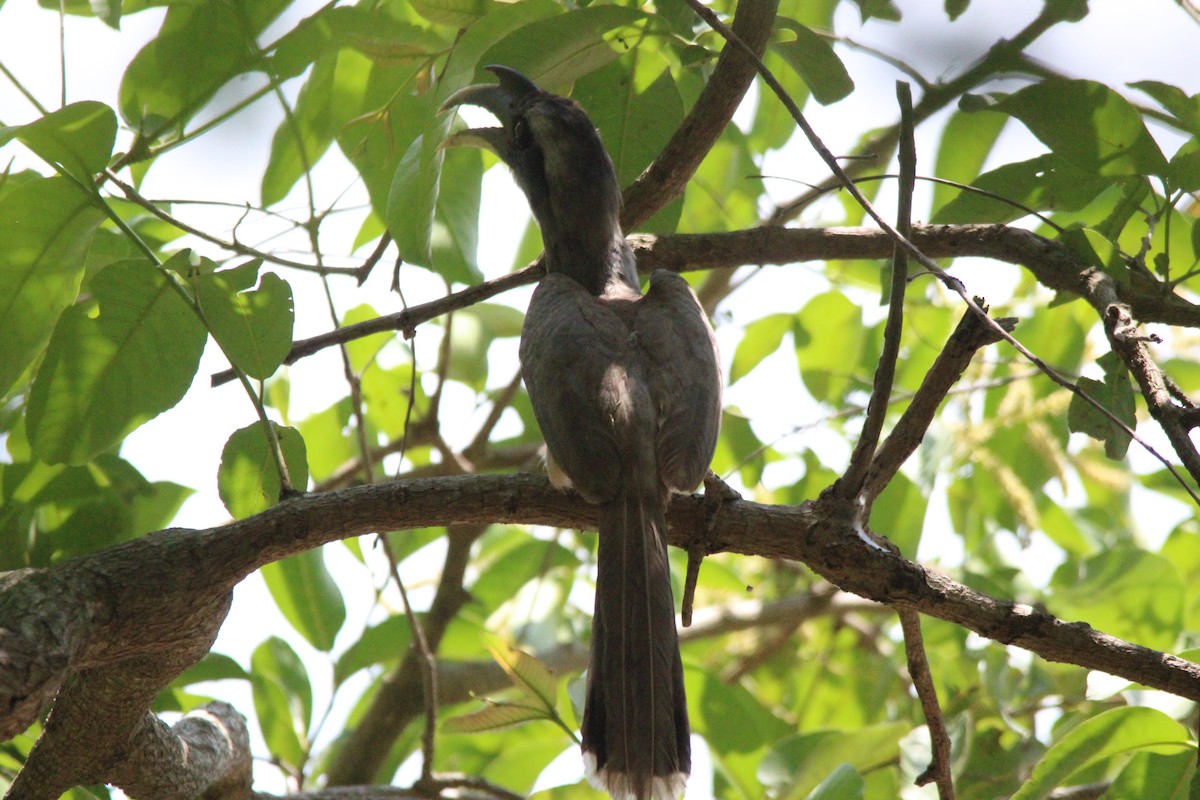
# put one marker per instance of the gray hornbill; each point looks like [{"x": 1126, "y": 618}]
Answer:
[{"x": 627, "y": 390}]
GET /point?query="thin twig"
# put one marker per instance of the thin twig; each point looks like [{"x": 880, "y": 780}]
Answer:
[
  {"x": 503, "y": 400},
  {"x": 851, "y": 482},
  {"x": 939, "y": 739},
  {"x": 133, "y": 196},
  {"x": 426, "y": 663},
  {"x": 405, "y": 321},
  {"x": 20, "y": 87}
]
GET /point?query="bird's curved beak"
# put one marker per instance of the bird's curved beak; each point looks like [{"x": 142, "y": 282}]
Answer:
[{"x": 499, "y": 98}]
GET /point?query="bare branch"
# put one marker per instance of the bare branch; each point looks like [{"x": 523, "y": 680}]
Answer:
[
  {"x": 851, "y": 482},
  {"x": 149, "y": 608},
  {"x": 938, "y": 771},
  {"x": 948, "y": 367}
]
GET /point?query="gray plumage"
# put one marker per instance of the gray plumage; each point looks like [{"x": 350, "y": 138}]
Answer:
[{"x": 627, "y": 391}]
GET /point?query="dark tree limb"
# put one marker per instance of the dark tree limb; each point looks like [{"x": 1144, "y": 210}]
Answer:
[{"x": 151, "y": 607}]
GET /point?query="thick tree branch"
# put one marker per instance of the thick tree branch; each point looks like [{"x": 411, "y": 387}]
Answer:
[{"x": 152, "y": 606}]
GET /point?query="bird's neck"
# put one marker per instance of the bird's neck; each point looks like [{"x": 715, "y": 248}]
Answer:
[{"x": 596, "y": 256}]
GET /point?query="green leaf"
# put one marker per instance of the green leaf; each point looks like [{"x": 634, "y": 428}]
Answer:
[
  {"x": 1184, "y": 169},
  {"x": 1043, "y": 183},
  {"x": 455, "y": 13},
  {"x": 796, "y": 765},
  {"x": 1109, "y": 733},
  {"x": 76, "y": 139},
  {"x": 324, "y": 434},
  {"x": 104, "y": 376},
  {"x": 199, "y": 48},
  {"x": 1163, "y": 777},
  {"x": 878, "y": 9},
  {"x": 412, "y": 199},
  {"x": 253, "y": 327},
  {"x": 1184, "y": 108},
  {"x": 762, "y": 337},
  {"x": 495, "y": 716},
  {"x": 455, "y": 234},
  {"x": 304, "y": 136},
  {"x": 813, "y": 58},
  {"x": 562, "y": 48},
  {"x": 213, "y": 667},
  {"x": 1116, "y": 394},
  {"x": 635, "y": 104},
  {"x": 504, "y": 576},
  {"x": 1125, "y": 592},
  {"x": 829, "y": 345},
  {"x": 1088, "y": 124},
  {"x": 502, "y": 20},
  {"x": 1095, "y": 248},
  {"x": 282, "y": 699},
  {"x": 46, "y": 226},
  {"x": 899, "y": 514},
  {"x": 528, "y": 674},
  {"x": 248, "y": 478},
  {"x": 308, "y": 597},
  {"x": 955, "y": 8},
  {"x": 967, "y": 141},
  {"x": 844, "y": 783},
  {"x": 731, "y": 718},
  {"x": 384, "y": 643}
]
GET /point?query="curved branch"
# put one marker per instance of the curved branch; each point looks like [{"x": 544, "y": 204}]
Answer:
[{"x": 153, "y": 605}]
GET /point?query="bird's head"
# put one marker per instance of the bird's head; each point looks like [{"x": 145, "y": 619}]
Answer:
[{"x": 560, "y": 163}]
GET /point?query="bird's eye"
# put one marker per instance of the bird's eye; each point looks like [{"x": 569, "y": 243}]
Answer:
[{"x": 520, "y": 134}]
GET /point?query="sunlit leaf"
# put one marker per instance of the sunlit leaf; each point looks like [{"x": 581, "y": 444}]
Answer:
[
  {"x": 829, "y": 345},
  {"x": 248, "y": 479},
  {"x": 308, "y": 596},
  {"x": 199, "y": 47},
  {"x": 528, "y": 674},
  {"x": 412, "y": 199},
  {"x": 797, "y": 764},
  {"x": 282, "y": 699},
  {"x": 844, "y": 783},
  {"x": 76, "y": 139},
  {"x": 385, "y": 643},
  {"x": 762, "y": 337},
  {"x": 562, "y": 48},
  {"x": 46, "y": 226},
  {"x": 1126, "y": 592},
  {"x": 1088, "y": 124},
  {"x": 493, "y": 717},
  {"x": 104, "y": 376},
  {"x": 1118, "y": 730},
  {"x": 253, "y": 326},
  {"x": 812, "y": 56},
  {"x": 1114, "y": 393}
]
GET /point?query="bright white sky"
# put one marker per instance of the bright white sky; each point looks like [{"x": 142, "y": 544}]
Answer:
[{"x": 1119, "y": 45}]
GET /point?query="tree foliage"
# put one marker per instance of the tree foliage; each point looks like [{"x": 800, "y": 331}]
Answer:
[{"x": 1058, "y": 462}]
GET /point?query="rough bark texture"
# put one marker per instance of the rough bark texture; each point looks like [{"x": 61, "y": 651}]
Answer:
[{"x": 103, "y": 634}]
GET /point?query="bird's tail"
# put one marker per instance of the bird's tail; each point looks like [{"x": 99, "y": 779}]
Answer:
[{"x": 635, "y": 725}]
